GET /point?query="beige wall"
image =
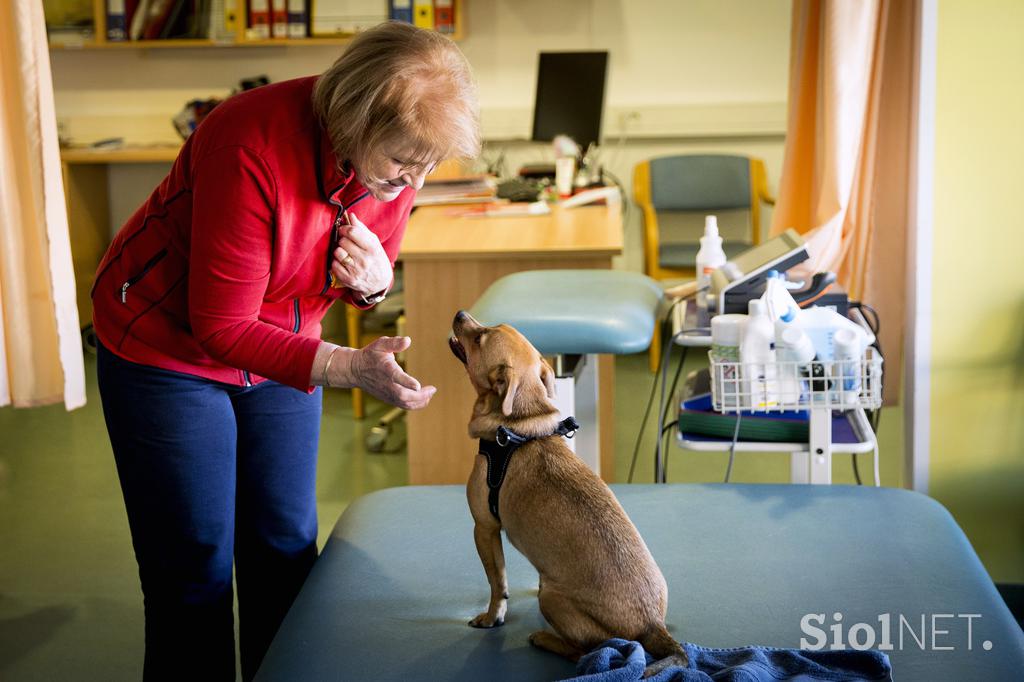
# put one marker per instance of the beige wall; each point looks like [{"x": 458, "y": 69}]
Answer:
[
  {"x": 977, "y": 413},
  {"x": 684, "y": 75},
  {"x": 705, "y": 66}
]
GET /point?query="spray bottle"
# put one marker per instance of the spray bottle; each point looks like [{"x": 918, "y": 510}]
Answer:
[
  {"x": 777, "y": 297},
  {"x": 709, "y": 257}
]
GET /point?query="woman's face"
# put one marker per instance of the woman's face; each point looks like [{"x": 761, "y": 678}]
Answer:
[{"x": 399, "y": 172}]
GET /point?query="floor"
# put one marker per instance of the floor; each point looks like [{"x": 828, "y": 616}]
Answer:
[{"x": 70, "y": 605}]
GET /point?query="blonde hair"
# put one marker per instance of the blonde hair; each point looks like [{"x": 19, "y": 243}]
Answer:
[{"x": 398, "y": 84}]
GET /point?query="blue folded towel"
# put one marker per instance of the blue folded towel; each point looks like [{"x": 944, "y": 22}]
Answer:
[{"x": 618, "y": 660}]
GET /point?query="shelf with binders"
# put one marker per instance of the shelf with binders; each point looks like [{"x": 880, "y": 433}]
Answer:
[{"x": 234, "y": 31}]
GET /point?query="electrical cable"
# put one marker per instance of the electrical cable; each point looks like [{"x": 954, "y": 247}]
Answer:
[
  {"x": 661, "y": 415},
  {"x": 668, "y": 406},
  {"x": 675, "y": 382},
  {"x": 616, "y": 154},
  {"x": 650, "y": 399},
  {"x": 875, "y": 417},
  {"x": 875, "y": 325},
  {"x": 666, "y": 436},
  {"x": 622, "y": 190},
  {"x": 660, "y": 372},
  {"x": 732, "y": 447},
  {"x": 643, "y": 423}
]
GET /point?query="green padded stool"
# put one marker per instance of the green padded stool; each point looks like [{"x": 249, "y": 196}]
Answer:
[{"x": 574, "y": 315}]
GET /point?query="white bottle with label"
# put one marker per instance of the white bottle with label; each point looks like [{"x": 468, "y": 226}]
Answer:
[
  {"x": 760, "y": 385},
  {"x": 726, "y": 332},
  {"x": 709, "y": 257}
]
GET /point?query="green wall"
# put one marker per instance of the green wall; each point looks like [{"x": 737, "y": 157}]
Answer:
[{"x": 977, "y": 400}]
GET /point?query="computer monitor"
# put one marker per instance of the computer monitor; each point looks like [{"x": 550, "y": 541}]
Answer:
[{"x": 570, "y": 96}]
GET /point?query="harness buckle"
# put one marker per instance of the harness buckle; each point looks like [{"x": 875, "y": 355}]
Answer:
[
  {"x": 568, "y": 427},
  {"x": 502, "y": 437}
]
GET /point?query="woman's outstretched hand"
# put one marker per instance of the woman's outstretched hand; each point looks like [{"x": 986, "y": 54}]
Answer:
[{"x": 375, "y": 370}]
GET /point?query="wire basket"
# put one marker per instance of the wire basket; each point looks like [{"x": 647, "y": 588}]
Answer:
[{"x": 779, "y": 386}]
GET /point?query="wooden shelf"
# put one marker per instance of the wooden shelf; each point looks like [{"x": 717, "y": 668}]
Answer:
[
  {"x": 172, "y": 44},
  {"x": 154, "y": 154},
  {"x": 99, "y": 41}
]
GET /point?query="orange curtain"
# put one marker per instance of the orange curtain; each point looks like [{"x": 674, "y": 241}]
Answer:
[
  {"x": 40, "y": 343},
  {"x": 845, "y": 178}
]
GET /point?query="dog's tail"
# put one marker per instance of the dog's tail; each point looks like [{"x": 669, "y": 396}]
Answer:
[{"x": 664, "y": 648}]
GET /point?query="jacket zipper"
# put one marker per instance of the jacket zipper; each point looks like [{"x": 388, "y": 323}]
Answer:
[
  {"x": 330, "y": 247},
  {"x": 247, "y": 378},
  {"x": 334, "y": 234},
  {"x": 298, "y": 319},
  {"x": 146, "y": 268},
  {"x": 145, "y": 224}
]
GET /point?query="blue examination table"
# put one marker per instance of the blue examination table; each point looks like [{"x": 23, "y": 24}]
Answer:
[{"x": 390, "y": 596}]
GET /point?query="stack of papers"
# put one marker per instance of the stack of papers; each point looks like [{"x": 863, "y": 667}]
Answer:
[
  {"x": 497, "y": 209},
  {"x": 466, "y": 190}
]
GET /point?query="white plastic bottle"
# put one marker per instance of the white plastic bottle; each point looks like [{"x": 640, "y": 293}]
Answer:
[
  {"x": 726, "y": 332},
  {"x": 847, "y": 366},
  {"x": 758, "y": 358},
  {"x": 794, "y": 352},
  {"x": 709, "y": 257},
  {"x": 821, "y": 325}
]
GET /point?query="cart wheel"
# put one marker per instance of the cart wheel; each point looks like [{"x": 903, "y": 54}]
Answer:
[
  {"x": 89, "y": 339},
  {"x": 377, "y": 438}
]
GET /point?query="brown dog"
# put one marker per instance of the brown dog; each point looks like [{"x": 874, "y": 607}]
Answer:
[{"x": 597, "y": 578}]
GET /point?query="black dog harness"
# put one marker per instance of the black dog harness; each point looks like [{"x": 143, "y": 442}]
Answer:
[{"x": 499, "y": 452}]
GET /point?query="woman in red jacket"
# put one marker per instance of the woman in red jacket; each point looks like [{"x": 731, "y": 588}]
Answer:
[{"x": 208, "y": 306}]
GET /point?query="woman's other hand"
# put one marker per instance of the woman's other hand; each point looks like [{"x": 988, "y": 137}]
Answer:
[
  {"x": 375, "y": 370},
  {"x": 359, "y": 261}
]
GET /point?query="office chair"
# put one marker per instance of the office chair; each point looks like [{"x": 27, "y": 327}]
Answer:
[{"x": 694, "y": 183}]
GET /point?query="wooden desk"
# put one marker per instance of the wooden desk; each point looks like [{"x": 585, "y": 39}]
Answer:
[
  {"x": 449, "y": 262},
  {"x": 87, "y": 198}
]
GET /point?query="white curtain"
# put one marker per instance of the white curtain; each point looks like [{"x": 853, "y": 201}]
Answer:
[{"x": 40, "y": 344}]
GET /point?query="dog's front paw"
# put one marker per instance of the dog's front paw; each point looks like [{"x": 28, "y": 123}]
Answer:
[{"x": 486, "y": 620}]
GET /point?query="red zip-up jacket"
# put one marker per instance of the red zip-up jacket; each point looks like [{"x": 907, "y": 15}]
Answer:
[{"x": 223, "y": 272}]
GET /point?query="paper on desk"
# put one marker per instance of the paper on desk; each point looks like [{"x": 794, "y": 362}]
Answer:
[{"x": 497, "y": 209}]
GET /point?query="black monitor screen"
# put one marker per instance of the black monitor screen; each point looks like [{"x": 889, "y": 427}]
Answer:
[{"x": 570, "y": 96}]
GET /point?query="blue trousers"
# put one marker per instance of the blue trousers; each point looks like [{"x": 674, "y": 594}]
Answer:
[{"x": 214, "y": 477}]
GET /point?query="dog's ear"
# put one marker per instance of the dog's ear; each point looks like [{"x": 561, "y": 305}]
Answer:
[
  {"x": 547, "y": 375},
  {"x": 505, "y": 383}
]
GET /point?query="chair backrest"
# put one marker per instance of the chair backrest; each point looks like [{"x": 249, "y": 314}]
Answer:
[
  {"x": 700, "y": 182},
  {"x": 696, "y": 183}
]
